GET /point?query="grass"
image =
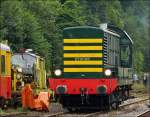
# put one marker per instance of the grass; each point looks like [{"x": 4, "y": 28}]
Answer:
[
  {"x": 139, "y": 88},
  {"x": 13, "y": 110},
  {"x": 18, "y": 109},
  {"x": 1, "y": 111}
]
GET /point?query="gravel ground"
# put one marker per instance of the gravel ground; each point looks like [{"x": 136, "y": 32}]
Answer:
[
  {"x": 54, "y": 108},
  {"x": 129, "y": 111},
  {"x": 134, "y": 110}
]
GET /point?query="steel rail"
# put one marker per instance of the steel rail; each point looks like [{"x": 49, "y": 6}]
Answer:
[
  {"x": 12, "y": 114},
  {"x": 86, "y": 115},
  {"x": 143, "y": 113},
  {"x": 55, "y": 114},
  {"x": 138, "y": 101},
  {"x": 121, "y": 106},
  {"x": 93, "y": 114}
]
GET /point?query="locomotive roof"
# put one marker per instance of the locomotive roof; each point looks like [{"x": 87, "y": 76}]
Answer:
[
  {"x": 128, "y": 36},
  {"x": 76, "y": 27},
  {"x": 29, "y": 54},
  {"x": 108, "y": 29},
  {"x": 91, "y": 27},
  {"x": 121, "y": 32},
  {"x": 4, "y": 47}
]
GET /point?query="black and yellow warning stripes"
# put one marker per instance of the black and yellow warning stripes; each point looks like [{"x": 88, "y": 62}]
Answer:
[
  {"x": 83, "y": 69},
  {"x": 98, "y": 62},
  {"x": 83, "y": 40},
  {"x": 91, "y": 55},
  {"x": 83, "y": 55},
  {"x": 82, "y": 47}
]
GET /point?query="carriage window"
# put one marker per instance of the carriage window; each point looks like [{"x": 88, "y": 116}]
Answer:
[
  {"x": 125, "y": 55},
  {"x": 3, "y": 64}
]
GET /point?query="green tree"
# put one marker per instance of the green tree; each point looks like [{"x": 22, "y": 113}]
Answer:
[
  {"x": 136, "y": 19},
  {"x": 46, "y": 13},
  {"x": 21, "y": 28},
  {"x": 38, "y": 24},
  {"x": 138, "y": 61}
]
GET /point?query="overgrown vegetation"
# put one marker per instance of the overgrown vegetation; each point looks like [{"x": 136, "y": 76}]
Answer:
[
  {"x": 139, "y": 87},
  {"x": 38, "y": 24}
]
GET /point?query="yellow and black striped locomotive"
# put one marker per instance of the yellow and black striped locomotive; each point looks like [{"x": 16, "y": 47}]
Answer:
[{"x": 96, "y": 67}]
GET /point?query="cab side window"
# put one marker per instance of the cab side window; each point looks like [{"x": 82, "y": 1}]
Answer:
[
  {"x": 126, "y": 56},
  {"x": 3, "y": 64},
  {"x": 125, "y": 53}
]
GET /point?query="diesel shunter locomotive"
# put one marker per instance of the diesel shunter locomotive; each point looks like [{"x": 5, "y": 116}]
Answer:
[{"x": 96, "y": 67}]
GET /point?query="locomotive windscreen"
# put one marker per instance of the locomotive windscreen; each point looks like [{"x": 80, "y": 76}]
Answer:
[
  {"x": 25, "y": 61},
  {"x": 82, "y": 52}
]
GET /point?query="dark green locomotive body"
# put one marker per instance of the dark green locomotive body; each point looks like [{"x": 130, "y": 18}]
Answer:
[
  {"x": 96, "y": 67},
  {"x": 112, "y": 49}
]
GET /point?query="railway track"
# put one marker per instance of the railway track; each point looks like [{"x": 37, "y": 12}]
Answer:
[
  {"x": 55, "y": 114},
  {"x": 102, "y": 113},
  {"x": 78, "y": 114},
  {"x": 138, "y": 101},
  {"x": 121, "y": 107},
  {"x": 93, "y": 114},
  {"x": 26, "y": 115},
  {"x": 13, "y": 114},
  {"x": 75, "y": 114},
  {"x": 144, "y": 114}
]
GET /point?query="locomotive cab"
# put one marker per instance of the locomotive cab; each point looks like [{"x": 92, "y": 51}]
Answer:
[{"x": 126, "y": 53}]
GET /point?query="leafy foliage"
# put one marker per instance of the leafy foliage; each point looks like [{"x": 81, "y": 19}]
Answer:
[{"x": 38, "y": 24}]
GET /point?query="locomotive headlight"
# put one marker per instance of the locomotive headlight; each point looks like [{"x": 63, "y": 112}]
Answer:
[
  {"x": 18, "y": 76},
  {"x": 19, "y": 69},
  {"x": 107, "y": 72},
  {"x": 57, "y": 72}
]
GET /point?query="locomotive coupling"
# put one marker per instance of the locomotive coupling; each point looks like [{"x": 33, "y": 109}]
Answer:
[{"x": 83, "y": 93}]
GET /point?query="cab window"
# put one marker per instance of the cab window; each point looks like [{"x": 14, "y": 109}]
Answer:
[
  {"x": 125, "y": 52},
  {"x": 125, "y": 56},
  {"x": 3, "y": 64}
]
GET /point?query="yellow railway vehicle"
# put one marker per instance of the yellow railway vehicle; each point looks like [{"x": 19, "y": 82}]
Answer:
[
  {"x": 34, "y": 92},
  {"x": 32, "y": 68},
  {"x": 18, "y": 70},
  {"x": 5, "y": 74}
]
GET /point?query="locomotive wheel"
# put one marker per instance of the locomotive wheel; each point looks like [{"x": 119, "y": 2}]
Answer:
[
  {"x": 71, "y": 109},
  {"x": 115, "y": 105},
  {"x": 109, "y": 107},
  {"x": 7, "y": 102},
  {"x": 2, "y": 102},
  {"x": 126, "y": 94},
  {"x": 5, "y": 106}
]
